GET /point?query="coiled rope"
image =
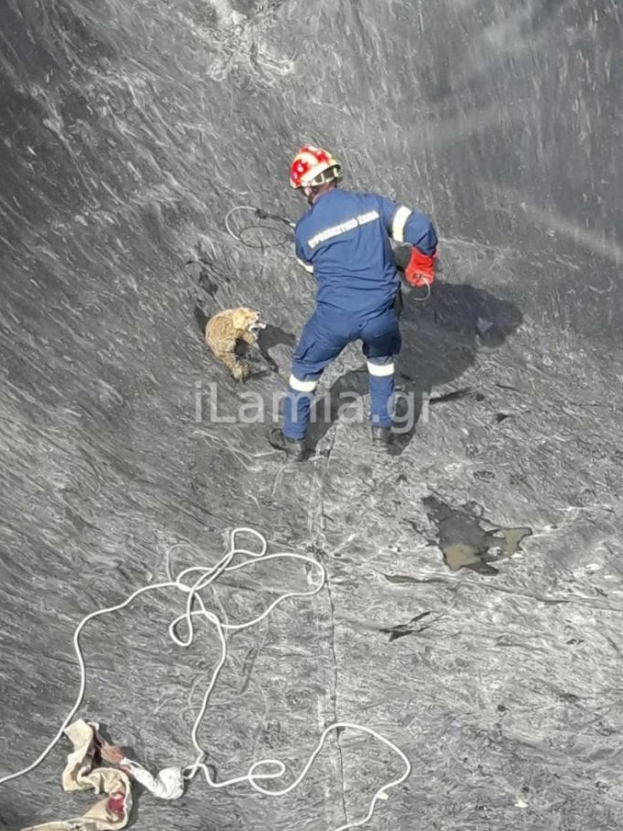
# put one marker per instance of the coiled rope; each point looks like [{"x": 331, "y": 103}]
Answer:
[
  {"x": 191, "y": 581},
  {"x": 239, "y": 234}
]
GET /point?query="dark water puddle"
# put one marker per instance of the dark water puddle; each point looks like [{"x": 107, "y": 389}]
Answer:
[
  {"x": 403, "y": 629},
  {"x": 465, "y": 544}
]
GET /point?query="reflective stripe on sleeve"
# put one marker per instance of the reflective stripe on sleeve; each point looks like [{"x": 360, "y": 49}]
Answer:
[{"x": 399, "y": 221}]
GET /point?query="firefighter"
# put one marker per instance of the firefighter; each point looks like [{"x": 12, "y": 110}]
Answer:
[{"x": 344, "y": 240}]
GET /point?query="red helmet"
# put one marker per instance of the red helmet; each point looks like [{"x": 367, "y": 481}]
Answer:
[{"x": 313, "y": 166}]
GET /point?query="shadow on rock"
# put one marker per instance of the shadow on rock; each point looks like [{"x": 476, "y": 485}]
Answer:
[
  {"x": 273, "y": 336},
  {"x": 335, "y": 403},
  {"x": 268, "y": 338},
  {"x": 440, "y": 340}
]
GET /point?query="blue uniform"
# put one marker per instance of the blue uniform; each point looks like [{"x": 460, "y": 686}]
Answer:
[{"x": 344, "y": 239}]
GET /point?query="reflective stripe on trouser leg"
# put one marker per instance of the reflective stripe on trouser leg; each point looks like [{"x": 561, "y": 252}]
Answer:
[
  {"x": 381, "y": 384},
  {"x": 297, "y": 405}
]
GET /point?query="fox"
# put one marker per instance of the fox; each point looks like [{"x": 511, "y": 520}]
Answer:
[{"x": 224, "y": 332}]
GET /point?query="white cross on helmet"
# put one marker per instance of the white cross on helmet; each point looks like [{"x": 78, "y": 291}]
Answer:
[{"x": 313, "y": 166}]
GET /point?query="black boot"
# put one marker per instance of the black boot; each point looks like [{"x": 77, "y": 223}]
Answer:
[
  {"x": 294, "y": 448},
  {"x": 382, "y": 436}
]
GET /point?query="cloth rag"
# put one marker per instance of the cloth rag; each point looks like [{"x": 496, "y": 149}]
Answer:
[
  {"x": 169, "y": 784},
  {"x": 79, "y": 775}
]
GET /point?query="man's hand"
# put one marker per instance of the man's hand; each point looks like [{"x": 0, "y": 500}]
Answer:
[{"x": 420, "y": 270}]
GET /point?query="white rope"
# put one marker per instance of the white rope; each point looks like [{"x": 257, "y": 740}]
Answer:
[
  {"x": 201, "y": 578},
  {"x": 229, "y": 213}
]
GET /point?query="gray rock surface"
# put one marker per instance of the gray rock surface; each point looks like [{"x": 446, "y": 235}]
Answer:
[{"x": 129, "y": 130}]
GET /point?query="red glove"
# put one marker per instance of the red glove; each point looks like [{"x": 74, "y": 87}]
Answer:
[{"x": 420, "y": 270}]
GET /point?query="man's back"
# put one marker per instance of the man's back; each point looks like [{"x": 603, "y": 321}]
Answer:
[{"x": 345, "y": 238}]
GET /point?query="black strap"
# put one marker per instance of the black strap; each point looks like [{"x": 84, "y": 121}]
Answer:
[{"x": 262, "y": 214}]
